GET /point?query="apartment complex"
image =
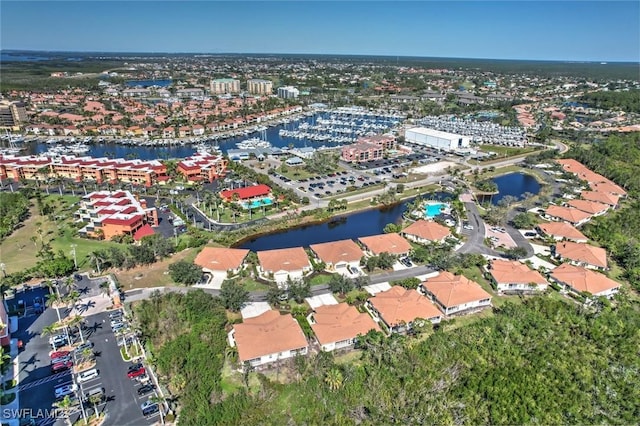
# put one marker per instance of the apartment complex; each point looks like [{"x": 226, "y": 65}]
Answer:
[
  {"x": 81, "y": 169},
  {"x": 12, "y": 115},
  {"x": 221, "y": 86},
  {"x": 257, "y": 86},
  {"x": 109, "y": 214},
  {"x": 288, "y": 92},
  {"x": 202, "y": 167},
  {"x": 368, "y": 148}
]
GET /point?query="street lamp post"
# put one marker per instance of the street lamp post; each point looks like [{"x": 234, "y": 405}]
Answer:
[
  {"x": 73, "y": 252},
  {"x": 3, "y": 268}
]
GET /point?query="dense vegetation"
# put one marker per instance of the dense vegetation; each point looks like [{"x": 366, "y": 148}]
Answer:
[
  {"x": 544, "y": 361},
  {"x": 628, "y": 101},
  {"x": 187, "y": 338},
  {"x": 617, "y": 158},
  {"x": 14, "y": 208}
]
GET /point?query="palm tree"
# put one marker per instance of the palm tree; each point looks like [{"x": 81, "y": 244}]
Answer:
[
  {"x": 78, "y": 321},
  {"x": 94, "y": 400},
  {"x": 54, "y": 300},
  {"x": 333, "y": 379},
  {"x": 87, "y": 354},
  {"x": 65, "y": 405},
  {"x": 95, "y": 257},
  {"x": 160, "y": 401}
]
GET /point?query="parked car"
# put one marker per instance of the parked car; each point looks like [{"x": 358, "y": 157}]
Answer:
[
  {"x": 149, "y": 407},
  {"x": 64, "y": 390},
  {"x": 38, "y": 305},
  {"x": 58, "y": 354},
  {"x": 65, "y": 358},
  {"x": 143, "y": 390},
  {"x": 136, "y": 373},
  {"x": 468, "y": 227},
  {"x": 58, "y": 341},
  {"x": 530, "y": 234},
  {"x": 83, "y": 346},
  {"x": 116, "y": 314},
  {"x": 87, "y": 375},
  {"x": 61, "y": 366}
]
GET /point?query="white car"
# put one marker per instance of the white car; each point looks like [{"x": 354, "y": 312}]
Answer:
[
  {"x": 65, "y": 390},
  {"x": 468, "y": 227},
  {"x": 87, "y": 375}
]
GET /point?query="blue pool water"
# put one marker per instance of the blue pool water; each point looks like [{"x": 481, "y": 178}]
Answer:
[
  {"x": 258, "y": 203},
  {"x": 433, "y": 210}
]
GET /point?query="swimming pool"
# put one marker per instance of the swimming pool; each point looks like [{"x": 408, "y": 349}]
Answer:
[
  {"x": 258, "y": 203},
  {"x": 432, "y": 210}
]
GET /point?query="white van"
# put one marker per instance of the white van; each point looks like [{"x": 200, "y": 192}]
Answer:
[{"x": 87, "y": 375}]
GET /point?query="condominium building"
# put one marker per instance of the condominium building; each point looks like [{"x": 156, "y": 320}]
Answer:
[
  {"x": 288, "y": 92},
  {"x": 109, "y": 214},
  {"x": 202, "y": 167},
  {"x": 258, "y": 86},
  {"x": 12, "y": 115},
  {"x": 220, "y": 86},
  {"x": 99, "y": 170},
  {"x": 368, "y": 148}
]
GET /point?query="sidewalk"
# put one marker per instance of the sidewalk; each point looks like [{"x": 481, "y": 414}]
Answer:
[{"x": 12, "y": 374}]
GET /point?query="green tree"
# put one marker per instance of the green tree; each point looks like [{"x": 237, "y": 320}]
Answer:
[
  {"x": 340, "y": 284},
  {"x": 391, "y": 228},
  {"x": 524, "y": 221},
  {"x": 233, "y": 296},
  {"x": 186, "y": 273},
  {"x": 334, "y": 379}
]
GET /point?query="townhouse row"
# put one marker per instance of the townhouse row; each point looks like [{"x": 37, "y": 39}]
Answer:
[{"x": 106, "y": 170}]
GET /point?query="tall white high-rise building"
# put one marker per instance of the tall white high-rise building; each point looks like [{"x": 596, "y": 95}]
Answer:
[
  {"x": 258, "y": 86},
  {"x": 288, "y": 92},
  {"x": 220, "y": 86}
]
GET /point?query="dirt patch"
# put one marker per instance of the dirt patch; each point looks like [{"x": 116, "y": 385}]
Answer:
[{"x": 155, "y": 275}]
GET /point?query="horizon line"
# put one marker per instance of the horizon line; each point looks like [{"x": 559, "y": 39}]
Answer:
[{"x": 630, "y": 61}]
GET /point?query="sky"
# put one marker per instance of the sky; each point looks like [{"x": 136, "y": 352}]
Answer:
[{"x": 541, "y": 30}]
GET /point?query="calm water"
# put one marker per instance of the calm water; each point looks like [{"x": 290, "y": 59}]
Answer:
[
  {"x": 361, "y": 224},
  {"x": 148, "y": 83},
  {"x": 514, "y": 184},
  {"x": 181, "y": 151}
]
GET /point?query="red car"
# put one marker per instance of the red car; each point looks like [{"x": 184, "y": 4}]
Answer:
[
  {"x": 61, "y": 366},
  {"x": 58, "y": 354},
  {"x": 135, "y": 373}
]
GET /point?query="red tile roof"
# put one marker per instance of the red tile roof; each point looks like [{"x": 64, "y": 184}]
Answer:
[
  {"x": 220, "y": 258},
  {"x": 248, "y": 192},
  {"x": 334, "y": 323},
  {"x": 144, "y": 231},
  {"x": 337, "y": 251},
  {"x": 289, "y": 259},
  {"x": 582, "y": 279},
  {"x": 398, "y": 305},
  {"x": 390, "y": 243},
  {"x": 427, "y": 230},
  {"x": 267, "y": 334},
  {"x": 453, "y": 290}
]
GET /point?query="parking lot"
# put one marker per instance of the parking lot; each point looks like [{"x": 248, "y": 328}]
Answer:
[{"x": 37, "y": 383}]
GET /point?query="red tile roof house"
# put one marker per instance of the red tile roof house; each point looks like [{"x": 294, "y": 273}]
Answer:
[
  {"x": 338, "y": 326},
  {"x": 510, "y": 276},
  {"x": 561, "y": 231},
  {"x": 398, "y": 308},
  {"x": 580, "y": 280},
  {"x": 220, "y": 261},
  {"x": 455, "y": 294},
  {"x": 601, "y": 197},
  {"x": 282, "y": 264},
  {"x": 338, "y": 255},
  {"x": 568, "y": 214},
  {"x": 582, "y": 255},
  {"x": 426, "y": 231},
  {"x": 391, "y": 243},
  {"x": 592, "y": 207},
  {"x": 268, "y": 338}
]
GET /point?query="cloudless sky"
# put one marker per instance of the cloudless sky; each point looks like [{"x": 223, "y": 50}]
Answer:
[{"x": 572, "y": 31}]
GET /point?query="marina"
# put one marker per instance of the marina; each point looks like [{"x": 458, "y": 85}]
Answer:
[{"x": 331, "y": 127}]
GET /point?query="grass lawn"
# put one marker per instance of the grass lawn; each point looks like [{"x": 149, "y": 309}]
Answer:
[
  {"x": 18, "y": 251},
  {"x": 250, "y": 284},
  {"x": 320, "y": 279},
  {"x": 154, "y": 275}
]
